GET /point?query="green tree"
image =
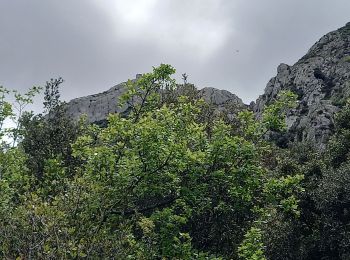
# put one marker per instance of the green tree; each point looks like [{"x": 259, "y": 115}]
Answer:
[
  {"x": 11, "y": 112},
  {"x": 49, "y": 136},
  {"x": 161, "y": 161},
  {"x": 157, "y": 184}
]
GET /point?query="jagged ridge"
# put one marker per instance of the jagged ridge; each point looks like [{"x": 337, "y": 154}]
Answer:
[
  {"x": 321, "y": 79},
  {"x": 97, "y": 107}
]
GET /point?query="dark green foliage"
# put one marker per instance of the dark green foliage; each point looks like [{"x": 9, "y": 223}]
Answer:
[
  {"x": 339, "y": 145},
  {"x": 50, "y": 136},
  {"x": 322, "y": 230},
  {"x": 170, "y": 180},
  {"x": 52, "y": 95}
]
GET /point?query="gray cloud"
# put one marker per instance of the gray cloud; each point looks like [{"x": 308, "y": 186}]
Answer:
[{"x": 95, "y": 44}]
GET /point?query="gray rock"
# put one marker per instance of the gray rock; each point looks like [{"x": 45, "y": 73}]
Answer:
[
  {"x": 219, "y": 97},
  {"x": 223, "y": 101},
  {"x": 97, "y": 107},
  {"x": 321, "y": 80}
]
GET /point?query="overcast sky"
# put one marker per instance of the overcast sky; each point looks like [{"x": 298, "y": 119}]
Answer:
[{"x": 94, "y": 44}]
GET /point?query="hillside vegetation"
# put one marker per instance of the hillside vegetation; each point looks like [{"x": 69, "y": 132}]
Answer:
[{"x": 172, "y": 179}]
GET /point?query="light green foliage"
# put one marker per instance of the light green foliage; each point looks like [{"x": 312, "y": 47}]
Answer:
[
  {"x": 21, "y": 102},
  {"x": 281, "y": 191},
  {"x": 272, "y": 118},
  {"x": 250, "y": 128},
  {"x": 14, "y": 110},
  {"x": 252, "y": 247},
  {"x": 6, "y": 109},
  {"x": 274, "y": 115},
  {"x": 161, "y": 183},
  {"x": 347, "y": 59},
  {"x": 161, "y": 157},
  {"x": 149, "y": 91}
]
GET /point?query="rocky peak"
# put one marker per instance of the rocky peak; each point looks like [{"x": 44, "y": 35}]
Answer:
[
  {"x": 97, "y": 107},
  {"x": 321, "y": 79},
  {"x": 219, "y": 97}
]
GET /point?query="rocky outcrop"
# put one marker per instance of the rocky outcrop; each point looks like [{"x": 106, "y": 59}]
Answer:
[
  {"x": 97, "y": 107},
  {"x": 220, "y": 97},
  {"x": 321, "y": 79}
]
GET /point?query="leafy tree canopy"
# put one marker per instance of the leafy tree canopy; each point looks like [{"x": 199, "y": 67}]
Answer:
[{"x": 163, "y": 182}]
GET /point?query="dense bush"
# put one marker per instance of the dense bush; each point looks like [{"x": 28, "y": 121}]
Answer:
[
  {"x": 171, "y": 180},
  {"x": 322, "y": 231}
]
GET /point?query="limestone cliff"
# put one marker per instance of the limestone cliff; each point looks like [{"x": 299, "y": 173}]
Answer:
[
  {"x": 322, "y": 81},
  {"x": 98, "y": 106}
]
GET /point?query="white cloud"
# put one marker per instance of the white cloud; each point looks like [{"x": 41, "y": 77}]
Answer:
[
  {"x": 93, "y": 44},
  {"x": 134, "y": 13},
  {"x": 195, "y": 28}
]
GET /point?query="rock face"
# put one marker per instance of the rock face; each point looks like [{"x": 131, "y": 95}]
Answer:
[
  {"x": 220, "y": 97},
  {"x": 97, "y": 107},
  {"x": 321, "y": 79},
  {"x": 222, "y": 100}
]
